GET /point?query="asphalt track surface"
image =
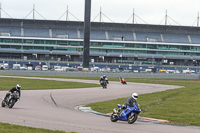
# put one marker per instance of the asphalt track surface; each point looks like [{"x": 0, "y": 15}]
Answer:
[{"x": 55, "y": 109}]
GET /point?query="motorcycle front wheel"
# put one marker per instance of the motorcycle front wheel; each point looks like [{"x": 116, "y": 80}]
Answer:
[
  {"x": 3, "y": 104},
  {"x": 113, "y": 117},
  {"x": 11, "y": 103},
  {"x": 132, "y": 119}
]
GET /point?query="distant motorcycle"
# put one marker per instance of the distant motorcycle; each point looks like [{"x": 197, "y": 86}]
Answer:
[
  {"x": 124, "y": 82},
  {"x": 129, "y": 114},
  {"x": 10, "y": 100},
  {"x": 104, "y": 84}
]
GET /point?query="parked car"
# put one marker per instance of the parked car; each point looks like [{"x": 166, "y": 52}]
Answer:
[
  {"x": 16, "y": 66},
  {"x": 38, "y": 68},
  {"x": 45, "y": 68}
]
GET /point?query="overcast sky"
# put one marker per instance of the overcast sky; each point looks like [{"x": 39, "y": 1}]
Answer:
[{"x": 183, "y": 12}]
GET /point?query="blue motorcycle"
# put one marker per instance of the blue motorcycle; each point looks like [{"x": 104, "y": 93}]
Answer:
[{"x": 129, "y": 114}]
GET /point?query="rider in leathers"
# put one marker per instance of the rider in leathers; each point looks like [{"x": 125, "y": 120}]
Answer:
[
  {"x": 12, "y": 90},
  {"x": 102, "y": 78},
  {"x": 131, "y": 101}
]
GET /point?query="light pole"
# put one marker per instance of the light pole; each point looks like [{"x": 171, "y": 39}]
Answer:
[{"x": 86, "y": 48}]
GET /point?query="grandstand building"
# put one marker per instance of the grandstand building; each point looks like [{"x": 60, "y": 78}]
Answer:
[{"x": 110, "y": 42}]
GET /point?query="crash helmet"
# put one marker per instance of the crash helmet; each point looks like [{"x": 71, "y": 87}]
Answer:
[
  {"x": 18, "y": 86},
  {"x": 104, "y": 76},
  {"x": 135, "y": 96}
]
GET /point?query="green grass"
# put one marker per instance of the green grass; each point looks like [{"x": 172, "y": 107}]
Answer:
[
  {"x": 8, "y": 128},
  {"x": 36, "y": 84},
  {"x": 179, "y": 106},
  {"x": 63, "y": 77}
]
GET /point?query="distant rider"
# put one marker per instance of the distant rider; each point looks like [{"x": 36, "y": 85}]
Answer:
[
  {"x": 12, "y": 90},
  {"x": 102, "y": 78},
  {"x": 122, "y": 80}
]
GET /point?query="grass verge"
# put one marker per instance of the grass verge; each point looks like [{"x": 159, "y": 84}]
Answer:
[
  {"x": 8, "y": 128},
  {"x": 36, "y": 84}
]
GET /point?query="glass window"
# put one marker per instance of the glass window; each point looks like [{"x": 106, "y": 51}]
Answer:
[
  {"x": 151, "y": 52},
  {"x": 38, "y": 41},
  {"x": 75, "y": 43},
  {"x": 6, "y": 40},
  {"x": 185, "y": 47},
  {"x": 27, "y": 47},
  {"x": 107, "y": 45},
  {"x": 142, "y": 52},
  {"x": 16, "y": 40},
  {"x": 193, "y": 48},
  {"x": 71, "y": 49},
  {"x": 50, "y": 42},
  {"x": 140, "y": 46},
  {"x": 174, "y": 47},
  {"x": 96, "y": 44},
  {"x": 39, "y": 48},
  {"x": 27, "y": 41},
  {"x": 163, "y": 47},
  {"x": 151, "y": 46},
  {"x": 49, "y": 48},
  {"x": 15, "y": 47},
  {"x": 129, "y": 45},
  {"x": 118, "y": 45},
  {"x": 62, "y": 42},
  {"x": 5, "y": 46},
  {"x": 60, "y": 48}
]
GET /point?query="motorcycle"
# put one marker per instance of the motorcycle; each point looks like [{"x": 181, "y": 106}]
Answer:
[
  {"x": 104, "y": 84},
  {"x": 123, "y": 82},
  {"x": 129, "y": 114},
  {"x": 10, "y": 100}
]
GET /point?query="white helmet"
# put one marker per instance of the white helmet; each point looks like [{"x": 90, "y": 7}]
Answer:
[
  {"x": 135, "y": 96},
  {"x": 18, "y": 86}
]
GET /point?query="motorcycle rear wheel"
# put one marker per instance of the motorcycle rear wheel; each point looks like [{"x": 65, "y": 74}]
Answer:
[
  {"x": 132, "y": 119},
  {"x": 113, "y": 118}
]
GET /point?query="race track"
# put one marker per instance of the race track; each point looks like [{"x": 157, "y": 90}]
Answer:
[{"x": 55, "y": 109}]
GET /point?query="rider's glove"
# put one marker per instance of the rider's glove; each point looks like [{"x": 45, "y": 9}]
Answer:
[{"x": 123, "y": 106}]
